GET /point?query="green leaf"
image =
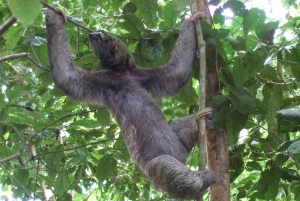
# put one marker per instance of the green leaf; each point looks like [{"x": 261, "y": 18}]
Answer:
[
  {"x": 12, "y": 37},
  {"x": 84, "y": 123},
  {"x": 22, "y": 176},
  {"x": 218, "y": 17},
  {"x": 253, "y": 17},
  {"x": 223, "y": 33},
  {"x": 234, "y": 125},
  {"x": 129, "y": 8},
  {"x": 106, "y": 166},
  {"x": 238, "y": 44},
  {"x": 149, "y": 11},
  {"x": 266, "y": 31},
  {"x": 181, "y": 5},
  {"x": 150, "y": 49},
  {"x": 253, "y": 165},
  {"x": 62, "y": 182},
  {"x": 25, "y": 11},
  {"x": 103, "y": 116},
  {"x": 237, "y": 7},
  {"x": 242, "y": 100},
  {"x": 284, "y": 146},
  {"x": 269, "y": 73},
  {"x": 53, "y": 160},
  {"x": 289, "y": 119},
  {"x": 281, "y": 159},
  {"x": 294, "y": 148},
  {"x": 17, "y": 92},
  {"x": 170, "y": 15},
  {"x": 87, "y": 59},
  {"x": 239, "y": 72},
  {"x": 131, "y": 23}
]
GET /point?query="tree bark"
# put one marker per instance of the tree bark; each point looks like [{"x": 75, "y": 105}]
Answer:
[{"x": 216, "y": 139}]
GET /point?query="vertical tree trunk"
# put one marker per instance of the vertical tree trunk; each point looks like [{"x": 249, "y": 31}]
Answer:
[{"x": 216, "y": 139}]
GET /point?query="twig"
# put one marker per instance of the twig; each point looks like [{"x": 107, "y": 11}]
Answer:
[
  {"x": 8, "y": 23},
  {"x": 23, "y": 54},
  {"x": 15, "y": 156},
  {"x": 271, "y": 82},
  {"x": 35, "y": 63},
  {"x": 77, "y": 147},
  {"x": 68, "y": 18},
  {"x": 69, "y": 115},
  {"x": 21, "y": 185},
  {"x": 14, "y": 56}
]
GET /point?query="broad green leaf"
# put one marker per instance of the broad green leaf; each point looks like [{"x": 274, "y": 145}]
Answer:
[
  {"x": 62, "y": 182},
  {"x": 53, "y": 160},
  {"x": 237, "y": 7},
  {"x": 284, "y": 145},
  {"x": 85, "y": 123},
  {"x": 103, "y": 116},
  {"x": 149, "y": 11},
  {"x": 253, "y": 17},
  {"x": 21, "y": 178},
  {"x": 181, "y": 5},
  {"x": 253, "y": 165},
  {"x": 131, "y": 23},
  {"x": 238, "y": 44},
  {"x": 106, "y": 166},
  {"x": 25, "y": 11},
  {"x": 87, "y": 59},
  {"x": 242, "y": 100},
  {"x": 281, "y": 159},
  {"x": 274, "y": 103},
  {"x": 223, "y": 33},
  {"x": 12, "y": 37},
  {"x": 17, "y": 92},
  {"x": 129, "y": 8},
  {"x": 289, "y": 119},
  {"x": 170, "y": 15},
  {"x": 239, "y": 72},
  {"x": 234, "y": 125},
  {"x": 218, "y": 17},
  {"x": 294, "y": 148},
  {"x": 267, "y": 31}
]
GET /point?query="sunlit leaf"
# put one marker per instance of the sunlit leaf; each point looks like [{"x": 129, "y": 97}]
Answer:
[{"x": 25, "y": 11}]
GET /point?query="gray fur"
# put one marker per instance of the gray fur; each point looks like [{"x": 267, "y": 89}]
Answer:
[{"x": 158, "y": 149}]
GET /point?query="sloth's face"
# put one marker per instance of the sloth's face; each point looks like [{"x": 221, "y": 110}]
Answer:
[
  {"x": 103, "y": 45},
  {"x": 111, "y": 51}
]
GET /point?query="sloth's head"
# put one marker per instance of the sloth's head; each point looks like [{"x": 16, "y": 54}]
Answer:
[{"x": 113, "y": 54}]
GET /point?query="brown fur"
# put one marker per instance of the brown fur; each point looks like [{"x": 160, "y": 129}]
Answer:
[{"x": 159, "y": 149}]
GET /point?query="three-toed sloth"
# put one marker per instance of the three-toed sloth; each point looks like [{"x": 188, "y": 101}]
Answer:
[{"x": 159, "y": 149}]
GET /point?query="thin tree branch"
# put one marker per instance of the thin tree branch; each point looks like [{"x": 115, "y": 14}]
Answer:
[
  {"x": 68, "y": 18},
  {"x": 23, "y": 54},
  {"x": 77, "y": 147},
  {"x": 36, "y": 64},
  {"x": 8, "y": 23},
  {"x": 69, "y": 115},
  {"x": 14, "y": 56},
  {"x": 7, "y": 172},
  {"x": 10, "y": 158}
]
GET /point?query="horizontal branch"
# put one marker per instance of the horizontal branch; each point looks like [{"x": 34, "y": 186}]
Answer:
[
  {"x": 68, "y": 18},
  {"x": 23, "y": 54},
  {"x": 10, "y": 158},
  {"x": 14, "y": 56}
]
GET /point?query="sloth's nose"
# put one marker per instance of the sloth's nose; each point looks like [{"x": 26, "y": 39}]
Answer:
[{"x": 93, "y": 36}]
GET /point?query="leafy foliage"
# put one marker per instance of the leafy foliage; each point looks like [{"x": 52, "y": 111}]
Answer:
[{"x": 78, "y": 149}]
